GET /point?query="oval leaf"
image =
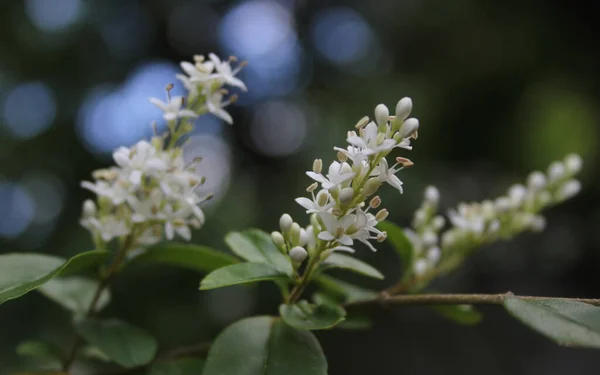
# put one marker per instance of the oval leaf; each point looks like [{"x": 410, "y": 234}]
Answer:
[
  {"x": 461, "y": 314},
  {"x": 241, "y": 273},
  {"x": 41, "y": 351},
  {"x": 182, "y": 366},
  {"x": 21, "y": 273},
  {"x": 124, "y": 344},
  {"x": 344, "y": 291},
  {"x": 256, "y": 246},
  {"x": 568, "y": 323},
  {"x": 75, "y": 293},
  {"x": 400, "y": 242},
  {"x": 265, "y": 346},
  {"x": 346, "y": 262},
  {"x": 194, "y": 257},
  {"x": 303, "y": 315}
]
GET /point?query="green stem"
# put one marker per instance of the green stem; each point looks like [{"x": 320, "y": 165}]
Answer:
[{"x": 111, "y": 271}]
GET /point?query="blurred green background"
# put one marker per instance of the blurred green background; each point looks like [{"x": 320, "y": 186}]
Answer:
[{"x": 500, "y": 88}]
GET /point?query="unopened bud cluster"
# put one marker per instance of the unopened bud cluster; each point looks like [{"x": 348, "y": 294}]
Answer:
[
  {"x": 152, "y": 192},
  {"x": 343, "y": 207},
  {"x": 476, "y": 224},
  {"x": 425, "y": 233}
]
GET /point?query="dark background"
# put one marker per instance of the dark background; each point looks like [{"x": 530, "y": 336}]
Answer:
[{"x": 500, "y": 88}]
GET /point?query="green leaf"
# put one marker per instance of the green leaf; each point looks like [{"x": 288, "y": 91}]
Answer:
[
  {"x": 93, "y": 353},
  {"x": 241, "y": 273},
  {"x": 265, "y": 346},
  {"x": 355, "y": 322},
  {"x": 400, "y": 242},
  {"x": 461, "y": 314},
  {"x": 344, "y": 291},
  {"x": 20, "y": 273},
  {"x": 182, "y": 366},
  {"x": 194, "y": 257},
  {"x": 41, "y": 351},
  {"x": 75, "y": 293},
  {"x": 256, "y": 246},
  {"x": 568, "y": 323},
  {"x": 124, "y": 344},
  {"x": 303, "y": 315},
  {"x": 337, "y": 260}
]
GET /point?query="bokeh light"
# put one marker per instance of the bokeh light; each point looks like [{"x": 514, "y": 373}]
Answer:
[
  {"x": 18, "y": 209},
  {"x": 112, "y": 117},
  {"x": 29, "y": 109},
  {"x": 263, "y": 32},
  {"x": 215, "y": 164},
  {"x": 55, "y": 15},
  {"x": 48, "y": 194},
  {"x": 345, "y": 38},
  {"x": 278, "y": 128}
]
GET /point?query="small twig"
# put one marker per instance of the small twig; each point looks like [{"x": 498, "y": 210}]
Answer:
[
  {"x": 385, "y": 299},
  {"x": 112, "y": 269}
]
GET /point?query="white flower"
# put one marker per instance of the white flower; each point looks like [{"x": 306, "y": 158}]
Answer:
[
  {"x": 370, "y": 141},
  {"x": 225, "y": 73},
  {"x": 108, "y": 227},
  {"x": 432, "y": 195},
  {"x": 172, "y": 108},
  {"x": 321, "y": 203},
  {"x": 190, "y": 86},
  {"x": 353, "y": 153},
  {"x": 364, "y": 227},
  {"x": 467, "y": 218},
  {"x": 569, "y": 189},
  {"x": 141, "y": 158},
  {"x": 215, "y": 105},
  {"x": 118, "y": 191},
  {"x": 337, "y": 175},
  {"x": 573, "y": 163},
  {"x": 336, "y": 228},
  {"x": 388, "y": 175},
  {"x": 199, "y": 72}
]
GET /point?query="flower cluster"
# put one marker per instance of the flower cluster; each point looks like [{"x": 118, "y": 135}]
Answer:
[
  {"x": 425, "y": 233},
  {"x": 152, "y": 192},
  {"x": 340, "y": 214},
  {"x": 476, "y": 224}
]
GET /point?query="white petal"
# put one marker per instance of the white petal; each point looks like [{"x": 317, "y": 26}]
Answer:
[
  {"x": 306, "y": 203},
  {"x": 346, "y": 240},
  {"x": 169, "y": 230},
  {"x": 184, "y": 232},
  {"x": 326, "y": 236},
  {"x": 160, "y": 104},
  {"x": 343, "y": 248}
]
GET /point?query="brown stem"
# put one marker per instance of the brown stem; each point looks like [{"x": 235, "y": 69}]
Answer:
[
  {"x": 110, "y": 272},
  {"x": 456, "y": 299}
]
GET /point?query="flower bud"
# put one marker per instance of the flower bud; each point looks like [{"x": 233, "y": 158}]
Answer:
[
  {"x": 295, "y": 234},
  {"x": 573, "y": 163},
  {"x": 569, "y": 189},
  {"x": 403, "y": 108},
  {"x": 303, "y": 237},
  {"x": 346, "y": 195},
  {"x": 382, "y": 215},
  {"x": 371, "y": 186},
  {"x": 502, "y": 204},
  {"x": 556, "y": 171},
  {"x": 342, "y": 157},
  {"x": 438, "y": 222},
  {"x": 409, "y": 127},
  {"x": 298, "y": 254},
  {"x": 420, "y": 267},
  {"x": 432, "y": 195},
  {"x": 285, "y": 223},
  {"x": 314, "y": 221},
  {"x": 434, "y": 254},
  {"x": 89, "y": 208},
  {"x": 536, "y": 180},
  {"x": 278, "y": 239},
  {"x": 517, "y": 194},
  {"x": 538, "y": 223},
  {"x": 430, "y": 238},
  {"x": 382, "y": 113},
  {"x": 317, "y": 166}
]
